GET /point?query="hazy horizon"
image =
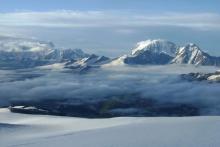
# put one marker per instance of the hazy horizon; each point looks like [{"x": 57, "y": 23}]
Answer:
[{"x": 113, "y": 27}]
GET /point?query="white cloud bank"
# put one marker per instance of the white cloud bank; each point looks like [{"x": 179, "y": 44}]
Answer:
[
  {"x": 161, "y": 83},
  {"x": 66, "y": 18}
]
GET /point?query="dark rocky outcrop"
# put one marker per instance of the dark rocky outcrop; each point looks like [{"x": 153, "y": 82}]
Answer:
[{"x": 109, "y": 107}]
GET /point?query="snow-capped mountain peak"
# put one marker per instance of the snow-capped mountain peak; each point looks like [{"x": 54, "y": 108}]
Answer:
[
  {"x": 165, "y": 52},
  {"x": 190, "y": 54},
  {"x": 155, "y": 46},
  {"x": 192, "y": 47}
]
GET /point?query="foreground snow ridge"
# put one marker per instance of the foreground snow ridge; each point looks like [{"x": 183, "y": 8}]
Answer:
[{"x": 55, "y": 131}]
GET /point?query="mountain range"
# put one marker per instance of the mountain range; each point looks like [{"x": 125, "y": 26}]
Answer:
[
  {"x": 160, "y": 52},
  {"x": 26, "y": 53}
]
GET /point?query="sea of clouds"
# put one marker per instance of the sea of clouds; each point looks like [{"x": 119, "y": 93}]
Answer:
[{"x": 162, "y": 83}]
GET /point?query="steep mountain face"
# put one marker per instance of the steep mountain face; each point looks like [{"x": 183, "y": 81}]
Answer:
[
  {"x": 148, "y": 57},
  {"x": 151, "y": 52},
  {"x": 192, "y": 54},
  {"x": 155, "y": 46},
  {"x": 66, "y": 54},
  {"x": 85, "y": 64},
  {"x": 210, "y": 77}
]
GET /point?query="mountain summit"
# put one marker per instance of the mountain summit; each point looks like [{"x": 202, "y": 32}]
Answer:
[
  {"x": 192, "y": 54},
  {"x": 26, "y": 53},
  {"x": 155, "y": 46},
  {"x": 160, "y": 52},
  {"x": 157, "y": 52}
]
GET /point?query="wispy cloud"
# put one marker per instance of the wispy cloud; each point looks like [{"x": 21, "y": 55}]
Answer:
[{"x": 65, "y": 19}]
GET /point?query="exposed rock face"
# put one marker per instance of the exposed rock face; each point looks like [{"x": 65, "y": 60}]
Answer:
[
  {"x": 61, "y": 55},
  {"x": 83, "y": 65},
  {"x": 148, "y": 57},
  {"x": 152, "y": 52},
  {"x": 210, "y": 77},
  {"x": 192, "y": 54}
]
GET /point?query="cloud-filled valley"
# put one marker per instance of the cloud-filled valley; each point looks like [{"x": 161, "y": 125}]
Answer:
[
  {"x": 109, "y": 73},
  {"x": 152, "y": 80},
  {"x": 160, "y": 83}
]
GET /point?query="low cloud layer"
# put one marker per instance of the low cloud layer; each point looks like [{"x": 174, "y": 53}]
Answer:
[{"x": 157, "y": 82}]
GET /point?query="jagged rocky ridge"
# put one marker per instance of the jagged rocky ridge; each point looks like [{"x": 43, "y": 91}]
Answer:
[
  {"x": 84, "y": 64},
  {"x": 210, "y": 77},
  {"x": 24, "y": 53},
  {"x": 16, "y": 53},
  {"x": 192, "y": 54}
]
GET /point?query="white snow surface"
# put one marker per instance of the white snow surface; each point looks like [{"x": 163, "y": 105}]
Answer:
[
  {"x": 116, "y": 62},
  {"x": 158, "y": 46},
  {"x": 191, "y": 54},
  {"x": 21, "y": 130},
  {"x": 54, "y": 66},
  {"x": 214, "y": 78}
]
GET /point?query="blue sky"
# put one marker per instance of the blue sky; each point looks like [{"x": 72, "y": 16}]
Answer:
[
  {"x": 145, "y": 5},
  {"x": 112, "y": 27}
]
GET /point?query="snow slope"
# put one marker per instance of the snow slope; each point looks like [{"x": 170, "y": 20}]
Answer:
[
  {"x": 192, "y": 54},
  {"x": 53, "y": 131},
  {"x": 156, "y": 46},
  {"x": 214, "y": 78}
]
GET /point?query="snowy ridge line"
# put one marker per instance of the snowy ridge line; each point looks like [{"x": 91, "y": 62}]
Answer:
[{"x": 160, "y": 52}]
